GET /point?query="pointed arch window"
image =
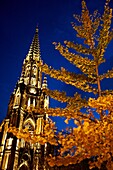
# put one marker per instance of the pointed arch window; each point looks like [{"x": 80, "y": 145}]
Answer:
[
  {"x": 17, "y": 97},
  {"x": 34, "y": 69},
  {"x": 27, "y": 72},
  {"x": 17, "y": 101},
  {"x": 29, "y": 124}
]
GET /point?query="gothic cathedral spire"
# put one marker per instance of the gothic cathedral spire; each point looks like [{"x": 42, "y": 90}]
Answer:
[
  {"x": 31, "y": 75},
  {"x": 16, "y": 153},
  {"x": 34, "y": 51}
]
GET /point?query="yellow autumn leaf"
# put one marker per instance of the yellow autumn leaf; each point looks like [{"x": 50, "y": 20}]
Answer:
[{"x": 66, "y": 121}]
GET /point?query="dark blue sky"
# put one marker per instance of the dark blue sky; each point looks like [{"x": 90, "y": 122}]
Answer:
[{"x": 18, "y": 20}]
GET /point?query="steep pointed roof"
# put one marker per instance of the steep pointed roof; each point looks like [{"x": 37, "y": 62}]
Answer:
[{"x": 34, "y": 50}]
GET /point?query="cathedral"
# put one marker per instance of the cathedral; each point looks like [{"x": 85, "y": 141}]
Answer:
[{"x": 16, "y": 153}]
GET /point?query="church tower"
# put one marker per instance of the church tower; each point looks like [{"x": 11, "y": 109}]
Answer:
[{"x": 16, "y": 154}]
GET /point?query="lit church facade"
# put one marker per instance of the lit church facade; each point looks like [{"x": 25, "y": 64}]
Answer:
[{"x": 16, "y": 154}]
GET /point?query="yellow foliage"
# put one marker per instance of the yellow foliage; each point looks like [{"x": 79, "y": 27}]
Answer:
[{"x": 66, "y": 121}]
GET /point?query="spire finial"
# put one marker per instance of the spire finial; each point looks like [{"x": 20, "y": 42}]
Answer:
[{"x": 37, "y": 28}]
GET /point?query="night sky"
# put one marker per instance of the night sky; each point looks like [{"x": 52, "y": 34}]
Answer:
[{"x": 18, "y": 20}]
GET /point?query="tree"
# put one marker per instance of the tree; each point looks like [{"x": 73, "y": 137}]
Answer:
[{"x": 92, "y": 137}]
